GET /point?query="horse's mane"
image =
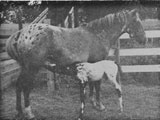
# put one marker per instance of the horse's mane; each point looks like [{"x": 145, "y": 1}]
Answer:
[{"x": 108, "y": 21}]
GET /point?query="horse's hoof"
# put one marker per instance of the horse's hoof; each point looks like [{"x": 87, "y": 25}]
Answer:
[
  {"x": 102, "y": 109},
  {"x": 93, "y": 102},
  {"x": 30, "y": 118},
  {"x": 120, "y": 110},
  {"x": 100, "y": 106},
  {"x": 80, "y": 119},
  {"x": 33, "y": 118}
]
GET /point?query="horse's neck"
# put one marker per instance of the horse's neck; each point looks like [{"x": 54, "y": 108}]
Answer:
[
  {"x": 108, "y": 31},
  {"x": 112, "y": 34}
]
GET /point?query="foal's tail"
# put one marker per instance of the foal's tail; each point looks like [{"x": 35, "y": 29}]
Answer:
[{"x": 120, "y": 72}]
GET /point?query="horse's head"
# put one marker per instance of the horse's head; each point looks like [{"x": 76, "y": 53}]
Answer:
[{"x": 134, "y": 27}]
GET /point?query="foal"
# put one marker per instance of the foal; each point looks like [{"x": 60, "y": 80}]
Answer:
[{"x": 87, "y": 72}]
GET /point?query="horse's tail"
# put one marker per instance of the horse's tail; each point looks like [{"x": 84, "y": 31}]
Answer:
[
  {"x": 120, "y": 73},
  {"x": 11, "y": 45}
]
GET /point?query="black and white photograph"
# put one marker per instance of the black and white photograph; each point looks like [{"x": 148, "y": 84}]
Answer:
[{"x": 80, "y": 60}]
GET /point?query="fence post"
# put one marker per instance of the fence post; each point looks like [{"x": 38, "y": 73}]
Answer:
[
  {"x": 40, "y": 17},
  {"x": 118, "y": 56}
]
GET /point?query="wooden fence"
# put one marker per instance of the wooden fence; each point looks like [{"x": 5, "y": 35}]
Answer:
[{"x": 140, "y": 52}]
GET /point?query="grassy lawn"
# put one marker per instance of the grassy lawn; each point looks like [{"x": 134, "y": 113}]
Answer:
[{"x": 140, "y": 102}]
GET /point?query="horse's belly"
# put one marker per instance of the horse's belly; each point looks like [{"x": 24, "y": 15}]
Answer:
[{"x": 95, "y": 76}]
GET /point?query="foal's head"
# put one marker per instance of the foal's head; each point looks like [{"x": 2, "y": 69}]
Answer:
[{"x": 81, "y": 73}]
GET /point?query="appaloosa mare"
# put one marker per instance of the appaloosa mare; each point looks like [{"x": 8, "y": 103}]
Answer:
[{"x": 38, "y": 44}]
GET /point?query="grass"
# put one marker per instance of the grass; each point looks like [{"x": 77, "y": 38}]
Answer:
[{"x": 140, "y": 102}]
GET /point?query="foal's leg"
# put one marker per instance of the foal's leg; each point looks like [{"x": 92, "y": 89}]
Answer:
[
  {"x": 91, "y": 90},
  {"x": 82, "y": 99},
  {"x": 119, "y": 91},
  {"x": 98, "y": 88}
]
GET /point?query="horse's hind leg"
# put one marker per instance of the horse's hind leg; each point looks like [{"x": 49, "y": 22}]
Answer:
[
  {"x": 119, "y": 92},
  {"x": 28, "y": 111},
  {"x": 27, "y": 87},
  {"x": 18, "y": 97}
]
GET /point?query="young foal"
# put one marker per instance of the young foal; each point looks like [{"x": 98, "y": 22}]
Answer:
[{"x": 87, "y": 72}]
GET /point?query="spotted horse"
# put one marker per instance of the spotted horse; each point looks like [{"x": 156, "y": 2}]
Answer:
[
  {"x": 38, "y": 44},
  {"x": 87, "y": 72}
]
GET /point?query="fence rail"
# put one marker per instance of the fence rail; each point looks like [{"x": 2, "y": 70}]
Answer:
[
  {"x": 149, "y": 34},
  {"x": 140, "y": 68},
  {"x": 137, "y": 52}
]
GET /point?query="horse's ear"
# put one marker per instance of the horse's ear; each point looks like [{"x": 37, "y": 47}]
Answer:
[{"x": 134, "y": 12}]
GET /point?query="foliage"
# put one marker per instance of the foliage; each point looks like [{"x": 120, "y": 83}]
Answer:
[
  {"x": 10, "y": 10},
  {"x": 58, "y": 10}
]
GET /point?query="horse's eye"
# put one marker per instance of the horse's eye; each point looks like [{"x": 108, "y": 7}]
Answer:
[
  {"x": 131, "y": 35},
  {"x": 67, "y": 68},
  {"x": 128, "y": 30}
]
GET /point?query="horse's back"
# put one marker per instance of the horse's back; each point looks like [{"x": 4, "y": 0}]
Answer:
[
  {"x": 109, "y": 67},
  {"x": 20, "y": 45},
  {"x": 34, "y": 43}
]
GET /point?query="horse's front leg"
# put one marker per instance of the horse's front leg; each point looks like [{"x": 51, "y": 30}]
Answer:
[
  {"x": 82, "y": 99},
  {"x": 98, "y": 88},
  {"x": 91, "y": 90}
]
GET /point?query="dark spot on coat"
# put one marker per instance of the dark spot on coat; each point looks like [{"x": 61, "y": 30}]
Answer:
[
  {"x": 15, "y": 46},
  {"x": 32, "y": 42},
  {"x": 29, "y": 31},
  {"x": 40, "y": 28},
  {"x": 37, "y": 35},
  {"x": 26, "y": 37},
  {"x": 17, "y": 36},
  {"x": 30, "y": 38}
]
